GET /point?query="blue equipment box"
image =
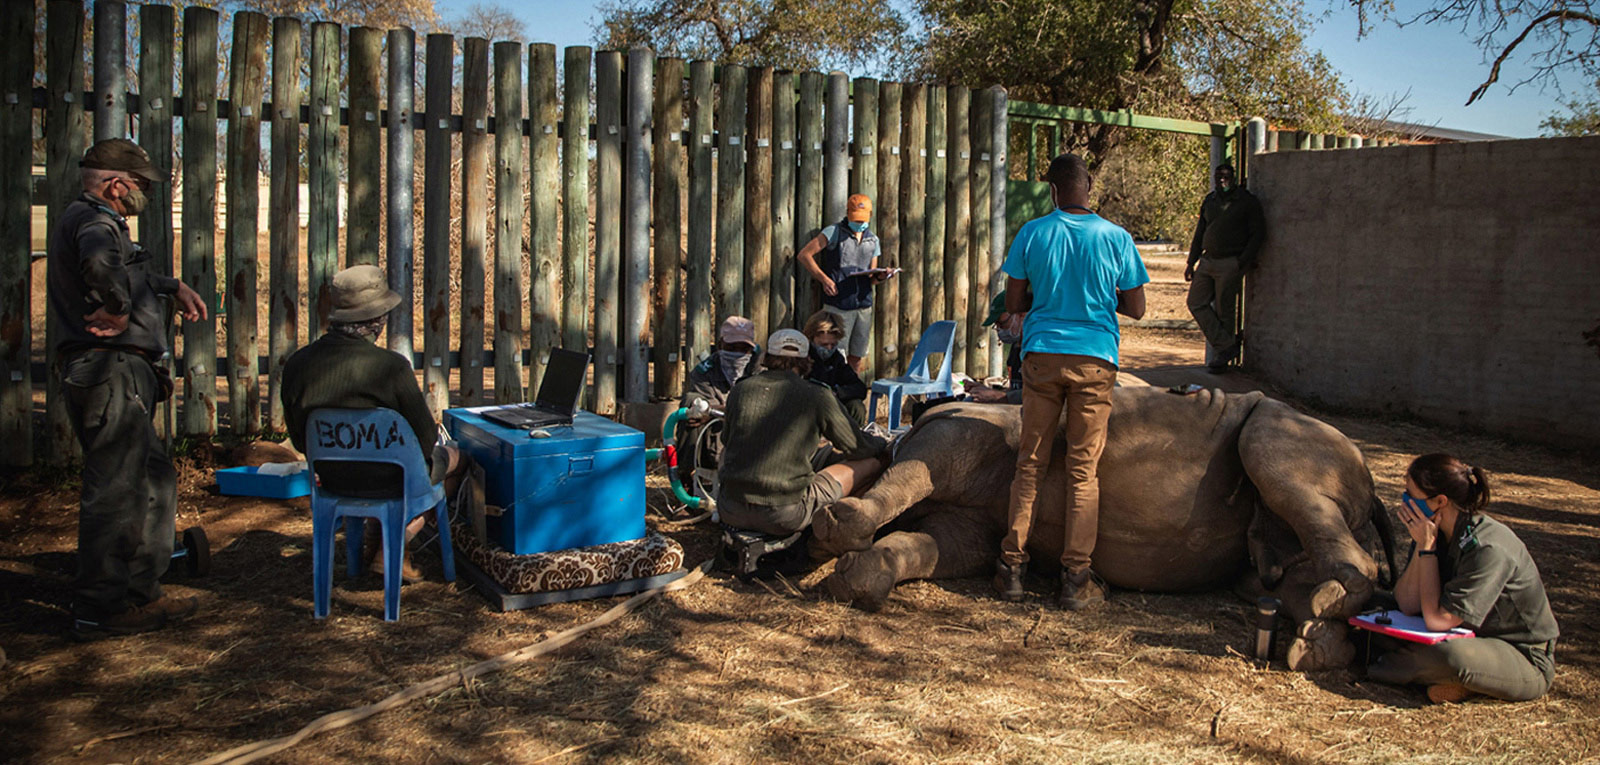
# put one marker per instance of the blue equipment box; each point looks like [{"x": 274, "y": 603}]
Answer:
[
  {"x": 248, "y": 482},
  {"x": 582, "y": 486}
]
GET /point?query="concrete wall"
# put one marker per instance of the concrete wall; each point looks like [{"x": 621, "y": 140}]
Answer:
[{"x": 1452, "y": 282}]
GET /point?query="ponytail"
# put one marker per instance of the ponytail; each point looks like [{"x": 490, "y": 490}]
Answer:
[{"x": 1466, "y": 486}]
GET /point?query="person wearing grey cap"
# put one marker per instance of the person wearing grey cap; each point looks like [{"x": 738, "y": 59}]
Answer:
[
  {"x": 111, "y": 333},
  {"x": 774, "y": 422},
  {"x": 347, "y": 369}
]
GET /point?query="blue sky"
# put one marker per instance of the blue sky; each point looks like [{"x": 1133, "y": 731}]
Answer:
[{"x": 1438, "y": 65}]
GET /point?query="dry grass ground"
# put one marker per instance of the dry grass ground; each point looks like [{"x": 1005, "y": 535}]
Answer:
[{"x": 731, "y": 672}]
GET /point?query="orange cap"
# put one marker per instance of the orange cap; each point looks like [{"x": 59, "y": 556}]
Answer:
[{"x": 859, "y": 208}]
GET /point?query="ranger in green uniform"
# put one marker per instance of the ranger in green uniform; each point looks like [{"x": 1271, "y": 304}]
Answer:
[
  {"x": 1468, "y": 570},
  {"x": 111, "y": 332},
  {"x": 1227, "y": 239}
]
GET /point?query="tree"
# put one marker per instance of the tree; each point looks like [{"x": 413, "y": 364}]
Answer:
[
  {"x": 1562, "y": 35},
  {"x": 1582, "y": 118},
  {"x": 383, "y": 14},
  {"x": 491, "y": 22},
  {"x": 788, "y": 34}
]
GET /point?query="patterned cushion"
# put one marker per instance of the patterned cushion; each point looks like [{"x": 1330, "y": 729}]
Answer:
[{"x": 570, "y": 569}]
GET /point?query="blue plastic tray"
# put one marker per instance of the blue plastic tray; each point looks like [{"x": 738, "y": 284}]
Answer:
[{"x": 246, "y": 482}]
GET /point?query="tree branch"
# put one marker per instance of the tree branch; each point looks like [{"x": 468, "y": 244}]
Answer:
[{"x": 1561, "y": 16}]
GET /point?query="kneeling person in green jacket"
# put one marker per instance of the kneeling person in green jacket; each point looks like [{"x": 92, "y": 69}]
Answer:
[{"x": 775, "y": 421}]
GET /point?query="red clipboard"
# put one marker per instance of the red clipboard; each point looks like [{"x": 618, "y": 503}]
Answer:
[{"x": 1405, "y": 627}]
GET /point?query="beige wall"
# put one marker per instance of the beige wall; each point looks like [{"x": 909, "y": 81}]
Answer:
[{"x": 1452, "y": 282}]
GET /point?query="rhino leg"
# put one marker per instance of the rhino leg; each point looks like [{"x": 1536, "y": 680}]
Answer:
[
  {"x": 1321, "y": 644},
  {"x": 1308, "y": 474},
  {"x": 849, "y": 524},
  {"x": 941, "y": 545}
]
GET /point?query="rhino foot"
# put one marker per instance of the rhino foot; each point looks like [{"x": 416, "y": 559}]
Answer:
[
  {"x": 1343, "y": 595},
  {"x": 843, "y": 527},
  {"x": 862, "y": 579},
  {"x": 1320, "y": 644}
]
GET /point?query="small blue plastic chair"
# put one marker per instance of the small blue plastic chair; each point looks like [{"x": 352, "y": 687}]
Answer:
[
  {"x": 939, "y": 337},
  {"x": 369, "y": 435}
]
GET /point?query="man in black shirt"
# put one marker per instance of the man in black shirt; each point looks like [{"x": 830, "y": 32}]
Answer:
[
  {"x": 111, "y": 332},
  {"x": 1226, "y": 242}
]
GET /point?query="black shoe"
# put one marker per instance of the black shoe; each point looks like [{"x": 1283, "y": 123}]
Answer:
[
  {"x": 1224, "y": 357},
  {"x": 1008, "y": 581},
  {"x": 133, "y": 621},
  {"x": 1082, "y": 590}
]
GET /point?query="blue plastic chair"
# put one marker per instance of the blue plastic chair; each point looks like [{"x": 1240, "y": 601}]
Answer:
[
  {"x": 369, "y": 435},
  {"x": 939, "y": 337}
]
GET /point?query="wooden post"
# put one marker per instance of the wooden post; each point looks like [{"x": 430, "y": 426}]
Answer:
[
  {"x": 248, "y": 68},
  {"x": 958, "y": 221},
  {"x": 366, "y": 139},
  {"x": 836, "y": 149},
  {"x": 200, "y": 216},
  {"x": 1001, "y": 140},
  {"x": 64, "y": 142},
  {"x": 667, "y": 297},
  {"x": 16, "y": 216},
  {"x": 698, "y": 291},
  {"x": 979, "y": 274},
  {"x": 508, "y": 383},
  {"x": 575, "y": 199},
  {"x": 110, "y": 69},
  {"x": 933, "y": 276},
  {"x": 758, "y": 202},
  {"x": 156, "y": 35},
  {"x": 283, "y": 216},
  {"x": 730, "y": 194},
  {"x": 322, "y": 165},
  {"x": 913, "y": 206},
  {"x": 474, "y": 212},
  {"x": 399, "y": 187},
  {"x": 636, "y": 222},
  {"x": 780, "y": 311},
  {"x": 607, "y": 225},
  {"x": 808, "y": 214},
  {"x": 864, "y": 178},
  {"x": 544, "y": 227},
  {"x": 886, "y": 217},
  {"x": 436, "y": 272}
]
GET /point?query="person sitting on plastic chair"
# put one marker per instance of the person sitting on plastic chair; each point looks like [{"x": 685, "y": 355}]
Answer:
[
  {"x": 775, "y": 420},
  {"x": 346, "y": 369}
]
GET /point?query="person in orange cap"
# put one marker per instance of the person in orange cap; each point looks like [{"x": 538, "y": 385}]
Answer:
[{"x": 847, "y": 272}]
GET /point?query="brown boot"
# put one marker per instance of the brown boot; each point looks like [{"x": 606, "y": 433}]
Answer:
[
  {"x": 1008, "y": 581},
  {"x": 1081, "y": 590},
  {"x": 408, "y": 573},
  {"x": 175, "y": 609},
  {"x": 130, "y": 622},
  {"x": 1448, "y": 693}
]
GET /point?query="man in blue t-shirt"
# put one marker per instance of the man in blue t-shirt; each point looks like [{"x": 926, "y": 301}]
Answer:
[
  {"x": 1082, "y": 271},
  {"x": 848, "y": 255}
]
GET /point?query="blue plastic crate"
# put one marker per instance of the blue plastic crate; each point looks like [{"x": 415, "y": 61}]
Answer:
[{"x": 247, "y": 482}]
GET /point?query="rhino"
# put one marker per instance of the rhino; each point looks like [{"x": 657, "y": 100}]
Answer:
[{"x": 1197, "y": 490}]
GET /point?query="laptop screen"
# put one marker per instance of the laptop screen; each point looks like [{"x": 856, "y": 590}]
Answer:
[{"x": 563, "y": 380}]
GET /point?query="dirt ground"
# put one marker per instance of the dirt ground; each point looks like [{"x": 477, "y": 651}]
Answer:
[{"x": 732, "y": 672}]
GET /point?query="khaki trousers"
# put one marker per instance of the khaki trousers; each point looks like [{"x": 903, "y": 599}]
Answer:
[
  {"x": 1080, "y": 386},
  {"x": 1214, "y": 299}
]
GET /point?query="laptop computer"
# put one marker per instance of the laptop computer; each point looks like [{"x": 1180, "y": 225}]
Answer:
[{"x": 558, "y": 394}]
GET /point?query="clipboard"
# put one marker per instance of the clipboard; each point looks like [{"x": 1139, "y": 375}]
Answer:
[
  {"x": 887, "y": 273},
  {"x": 1406, "y": 627}
]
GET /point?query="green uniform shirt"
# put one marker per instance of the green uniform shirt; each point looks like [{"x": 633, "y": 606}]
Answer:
[
  {"x": 774, "y": 423},
  {"x": 1231, "y": 225},
  {"x": 339, "y": 371},
  {"x": 1491, "y": 582}
]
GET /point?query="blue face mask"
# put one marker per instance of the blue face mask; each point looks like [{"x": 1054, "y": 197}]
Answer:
[
  {"x": 858, "y": 226},
  {"x": 1419, "y": 505}
]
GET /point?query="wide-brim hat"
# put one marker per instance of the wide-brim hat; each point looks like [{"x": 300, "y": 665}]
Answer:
[
  {"x": 361, "y": 293},
  {"x": 122, "y": 155}
]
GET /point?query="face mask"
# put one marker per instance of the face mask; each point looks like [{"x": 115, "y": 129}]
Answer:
[
  {"x": 734, "y": 363},
  {"x": 823, "y": 352},
  {"x": 858, "y": 226},
  {"x": 1419, "y": 505},
  {"x": 1007, "y": 338},
  {"x": 135, "y": 200}
]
